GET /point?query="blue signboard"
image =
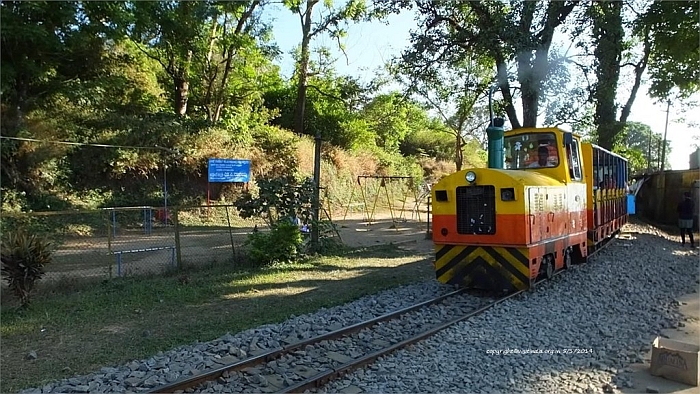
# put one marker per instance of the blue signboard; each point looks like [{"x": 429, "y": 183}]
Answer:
[{"x": 229, "y": 170}]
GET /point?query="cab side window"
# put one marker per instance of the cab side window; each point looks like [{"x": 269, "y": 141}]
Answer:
[{"x": 574, "y": 160}]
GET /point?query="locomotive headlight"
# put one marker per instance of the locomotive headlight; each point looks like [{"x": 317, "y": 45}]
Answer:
[{"x": 471, "y": 176}]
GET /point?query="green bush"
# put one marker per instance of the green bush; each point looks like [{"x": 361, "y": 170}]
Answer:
[
  {"x": 282, "y": 244},
  {"x": 430, "y": 143},
  {"x": 23, "y": 259}
]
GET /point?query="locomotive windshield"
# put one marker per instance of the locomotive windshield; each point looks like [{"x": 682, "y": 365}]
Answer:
[{"x": 531, "y": 150}]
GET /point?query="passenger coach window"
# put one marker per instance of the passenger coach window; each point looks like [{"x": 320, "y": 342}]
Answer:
[{"x": 574, "y": 161}]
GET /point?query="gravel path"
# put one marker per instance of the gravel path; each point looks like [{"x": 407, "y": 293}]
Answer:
[{"x": 593, "y": 322}]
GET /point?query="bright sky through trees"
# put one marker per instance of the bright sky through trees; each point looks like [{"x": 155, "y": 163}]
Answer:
[{"x": 369, "y": 45}]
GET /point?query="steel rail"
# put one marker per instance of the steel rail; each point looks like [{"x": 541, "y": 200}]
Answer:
[
  {"x": 322, "y": 378},
  {"x": 325, "y": 377},
  {"x": 273, "y": 354}
]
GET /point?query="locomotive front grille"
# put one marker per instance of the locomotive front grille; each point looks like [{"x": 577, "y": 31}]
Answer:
[{"x": 476, "y": 210}]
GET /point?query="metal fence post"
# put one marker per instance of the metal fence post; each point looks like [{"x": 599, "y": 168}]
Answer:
[
  {"x": 147, "y": 221},
  {"x": 109, "y": 244},
  {"x": 230, "y": 234},
  {"x": 178, "y": 250},
  {"x": 114, "y": 222},
  {"x": 119, "y": 264},
  {"x": 427, "y": 231}
]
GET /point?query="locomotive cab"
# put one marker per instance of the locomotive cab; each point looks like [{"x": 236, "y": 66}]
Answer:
[{"x": 552, "y": 152}]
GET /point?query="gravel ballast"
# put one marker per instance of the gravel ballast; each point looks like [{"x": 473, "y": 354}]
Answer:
[
  {"x": 170, "y": 366},
  {"x": 594, "y": 321}
]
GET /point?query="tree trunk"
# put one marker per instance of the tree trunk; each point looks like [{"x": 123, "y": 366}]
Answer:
[
  {"x": 607, "y": 26},
  {"x": 459, "y": 155},
  {"x": 502, "y": 77},
  {"x": 529, "y": 87},
  {"x": 182, "y": 88},
  {"x": 300, "y": 107}
]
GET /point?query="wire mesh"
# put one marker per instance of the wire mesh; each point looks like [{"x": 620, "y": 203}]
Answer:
[{"x": 210, "y": 235}]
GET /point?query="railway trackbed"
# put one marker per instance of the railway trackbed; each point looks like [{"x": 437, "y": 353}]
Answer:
[
  {"x": 312, "y": 363},
  {"x": 315, "y": 361}
]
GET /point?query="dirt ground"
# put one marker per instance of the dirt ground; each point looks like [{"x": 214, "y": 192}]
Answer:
[
  {"x": 411, "y": 234},
  {"x": 154, "y": 253}
]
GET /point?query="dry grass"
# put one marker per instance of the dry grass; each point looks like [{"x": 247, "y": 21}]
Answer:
[{"x": 435, "y": 170}]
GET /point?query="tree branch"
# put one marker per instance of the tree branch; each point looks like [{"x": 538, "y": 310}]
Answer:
[
  {"x": 638, "y": 71},
  {"x": 156, "y": 58},
  {"x": 316, "y": 88},
  {"x": 246, "y": 15}
]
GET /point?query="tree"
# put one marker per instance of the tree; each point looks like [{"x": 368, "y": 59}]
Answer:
[
  {"x": 392, "y": 118},
  {"x": 45, "y": 50},
  {"x": 331, "y": 108},
  {"x": 675, "y": 50},
  {"x": 171, "y": 33},
  {"x": 231, "y": 47},
  {"x": 661, "y": 39},
  {"x": 609, "y": 40},
  {"x": 35, "y": 38},
  {"x": 519, "y": 32},
  {"x": 642, "y": 147},
  {"x": 331, "y": 22},
  {"x": 454, "y": 86}
]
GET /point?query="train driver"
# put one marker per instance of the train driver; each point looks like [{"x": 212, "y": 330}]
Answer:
[{"x": 543, "y": 155}]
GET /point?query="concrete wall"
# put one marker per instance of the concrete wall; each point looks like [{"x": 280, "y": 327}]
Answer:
[{"x": 660, "y": 194}]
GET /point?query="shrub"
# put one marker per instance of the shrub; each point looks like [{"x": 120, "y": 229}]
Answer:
[
  {"x": 23, "y": 259},
  {"x": 282, "y": 244},
  {"x": 278, "y": 199}
]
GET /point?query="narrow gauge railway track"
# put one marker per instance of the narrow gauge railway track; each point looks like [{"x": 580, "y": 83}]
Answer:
[
  {"x": 237, "y": 376},
  {"x": 358, "y": 342}
]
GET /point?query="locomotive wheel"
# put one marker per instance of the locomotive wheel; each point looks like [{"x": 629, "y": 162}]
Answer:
[
  {"x": 549, "y": 261},
  {"x": 567, "y": 258}
]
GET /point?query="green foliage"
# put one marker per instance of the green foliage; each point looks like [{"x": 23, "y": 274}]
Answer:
[
  {"x": 23, "y": 259},
  {"x": 431, "y": 143},
  {"x": 280, "y": 245},
  {"x": 672, "y": 27},
  {"x": 36, "y": 38},
  {"x": 518, "y": 33},
  {"x": 278, "y": 200},
  {"x": 279, "y": 149},
  {"x": 328, "y": 111},
  {"x": 395, "y": 164},
  {"x": 642, "y": 147},
  {"x": 393, "y": 118}
]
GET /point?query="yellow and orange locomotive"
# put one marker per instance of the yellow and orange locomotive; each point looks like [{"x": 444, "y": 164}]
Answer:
[{"x": 546, "y": 200}]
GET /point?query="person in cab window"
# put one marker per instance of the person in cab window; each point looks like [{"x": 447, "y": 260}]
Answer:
[{"x": 543, "y": 155}]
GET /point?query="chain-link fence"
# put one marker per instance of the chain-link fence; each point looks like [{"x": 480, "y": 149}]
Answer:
[
  {"x": 81, "y": 241},
  {"x": 208, "y": 235},
  {"x": 118, "y": 242},
  {"x": 132, "y": 241}
]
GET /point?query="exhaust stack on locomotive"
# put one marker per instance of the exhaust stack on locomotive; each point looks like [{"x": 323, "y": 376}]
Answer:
[{"x": 495, "y": 143}]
